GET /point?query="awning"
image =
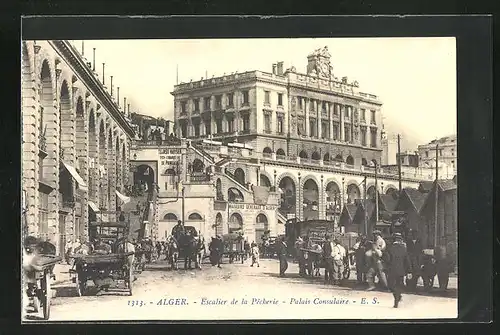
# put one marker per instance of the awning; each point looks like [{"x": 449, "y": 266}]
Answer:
[
  {"x": 76, "y": 176},
  {"x": 122, "y": 197},
  {"x": 94, "y": 207}
]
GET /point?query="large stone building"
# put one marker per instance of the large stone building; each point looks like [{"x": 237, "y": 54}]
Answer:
[
  {"x": 447, "y": 154},
  {"x": 309, "y": 139},
  {"x": 75, "y": 143}
]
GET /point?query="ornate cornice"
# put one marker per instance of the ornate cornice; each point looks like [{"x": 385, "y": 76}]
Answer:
[{"x": 70, "y": 54}]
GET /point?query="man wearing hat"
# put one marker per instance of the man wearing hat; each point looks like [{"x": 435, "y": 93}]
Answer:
[
  {"x": 338, "y": 255},
  {"x": 415, "y": 253},
  {"x": 328, "y": 259},
  {"x": 282, "y": 252},
  {"x": 398, "y": 266}
]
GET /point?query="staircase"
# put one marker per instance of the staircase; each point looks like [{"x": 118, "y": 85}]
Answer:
[
  {"x": 281, "y": 217},
  {"x": 223, "y": 162},
  {"x": 231, "y": 177},
  {"x": 203, "y": 153}
]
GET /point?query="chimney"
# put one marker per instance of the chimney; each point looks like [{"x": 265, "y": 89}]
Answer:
[
  {"x": 128, "y": 110},
  {"x": 274, "y": 68},
  {"x": 279, "y": 68}
]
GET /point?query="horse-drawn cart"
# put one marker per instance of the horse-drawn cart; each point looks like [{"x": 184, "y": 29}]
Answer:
[
  {"x": 38, "y": 276},
  {"x": 111, "y": 260},
  {"x": 234, "y": 247}
]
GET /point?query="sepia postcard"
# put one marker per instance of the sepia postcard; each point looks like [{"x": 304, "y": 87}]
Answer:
[{"x": 239, "y": 179}]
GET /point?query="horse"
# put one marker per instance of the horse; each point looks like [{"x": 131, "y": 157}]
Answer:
[
  {"x": 189, "y": 250},
  {"x": 314, "y": 260}
]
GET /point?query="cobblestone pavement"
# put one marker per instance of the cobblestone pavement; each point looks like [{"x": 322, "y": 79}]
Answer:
[{"x": 207, "y": 294}]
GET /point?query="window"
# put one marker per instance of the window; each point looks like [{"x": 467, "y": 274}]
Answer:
[
  {"x": 230, "y": 125},
  {"x": 267, "y": 122},
  {"x": 280, "y": 99},
  {"x": 440, "y": 152},
  {"x": 335, "y": 130},
  {"x": 323, "y": 106},
  {"x": 267, "y": 97},
  {"x": 218, "y": 124},
  {"x": 311, "y": 105},
  {"x": 196, "y": 127},
  {"x": 301, "y": 102},
  {"x": 336, "y": 108},
  {"x": 218, "y": 101},
  {"x": 183, "y": 107},
  {"x": 246, "y": 98},
  {"x": 312, "y": 128},
  {"x": 208, "y": 128},
  {"x": 184, "y": 130},
  {"x": 207, "y": 103},
  {"x": 246, "y": 122},
  {"x": 453, "y": 152},
  {"x": 196, "y": 103},
  {"x": 373, "y": 140},
  {"x": 280, "y": 124},
  {"x": 324, "y": 130},
  {"x": 230, "y": 98},
  {"x": 372, "y": 119},
  {"x": 300, "y": 127},
  {"x": 43, "y": 213},
  {"x": 363, "y": 136},
  {"x": 347, "y": 132},
  {"x": 346, "y": 112},
  {"x": 363, "y": 115}
]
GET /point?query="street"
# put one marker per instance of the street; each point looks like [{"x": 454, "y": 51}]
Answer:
[{"x": 218, "y": 294}]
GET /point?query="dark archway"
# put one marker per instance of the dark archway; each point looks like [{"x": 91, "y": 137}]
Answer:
[
  {"x": 218, "y": 189},
  {"x": 339, "y": 158},
  {"x": 370, "y": 193},
  {"x": 303, "y": 154},
  {"x": 235, "y": 223},
  {"x": 198, "y": 166},
  {"x": 264, "y": 181},
  {"x": 239, "y": 175},
  {"x": 349, "y": 160},
  {"x": 234, "y": 195},
  {"x": 218, "y": 225},
  {"x": 333, "y": 197},
  {"x": 364, "y": 162},
  {"x": 144, "y": 176},
  {"x": 326, "y": 157},
  {"x": 280, "y": 153},
  {"x": 268, "y": 150},
  {"x": 288, "y": 195},
  {"x": 195, "y": 217},
  {"x": 171, "y": 217},
  {"x": 353, "y": 193},
  {"x": 316, "y": 156},
  {"x": 310, "y": 202}
]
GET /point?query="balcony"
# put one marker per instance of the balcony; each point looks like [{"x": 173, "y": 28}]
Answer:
[
  {"x": 245, "y": 104},
  {"x": 42, "y": 146}
]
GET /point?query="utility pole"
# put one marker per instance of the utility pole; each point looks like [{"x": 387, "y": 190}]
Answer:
[
  {"x": 399, "y": 162},
  {"x": 83, "y": 48},
  {"x": 93, "y": 60},
  {"x": 103, "y": 77},
  {"x": 376, "y": 192},
  {"x": 436, "y": 199},
  {"x": 365, "y": 206}
]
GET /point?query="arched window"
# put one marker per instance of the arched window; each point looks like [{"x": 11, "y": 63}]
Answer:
[
  {"x": 234, "y": 195},
  {"x": 280, "y": 152},
  {"x": 268, "y": 150},
  {"x": 218, "y": 187},
  {"x": 239, "y": 175},
  {"x": 349, "y": 160},
  {"x": 218, "y": 224},
  {"x": 195, "y": 217},
  {"x": 235, "y": 223},
  {"x": 339, "y": 158},
  {"x": 364, "y": 162},
  {"x": 198, "y": 166},
  {"x": 326, "y": 157},
  {"x": 316, "y": 156},
  {"x": 303, "y": 154},
  {"x": 170, "y": 217}
]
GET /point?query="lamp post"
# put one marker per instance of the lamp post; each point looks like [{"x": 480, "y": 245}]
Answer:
[
  {"x": 323, "y": 198},
  {"x": 299, "y": 201},
  {"x": 275, "y": 180}
]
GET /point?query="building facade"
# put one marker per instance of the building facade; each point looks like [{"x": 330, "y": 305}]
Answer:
[
  {"x": 75, "y": 143},
  {"x": 447, "y": 153}
]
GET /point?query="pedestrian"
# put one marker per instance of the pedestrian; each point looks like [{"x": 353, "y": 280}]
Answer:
[
  {"x": 328, "y": 259},
  {"x": 338, "y": 256},
  {"x": 443, "y": 264},
  {"x": 374, "y": 266},
  {"x": 379, "y": 241},
  {"x": 398, "y": 267},
  {"x": 415, "y": 253},
  {"x": 299, "y": 244},
  {"x": 255, "y": 254},
  {"x": 359, "y": 255},
  {"x": 282, "y": 252}
]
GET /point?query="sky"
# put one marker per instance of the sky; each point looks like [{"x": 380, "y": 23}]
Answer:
[{"x": 414, "y": 77}]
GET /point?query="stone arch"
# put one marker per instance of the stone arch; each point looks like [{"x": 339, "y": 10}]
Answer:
[
  {"x": 370, "y": 192},
  {"x": 170, "y": 217},
  {"x": 326, "y": 157},
  {"x": 264, "y": 180},
  {"x": 316, "y": 156},
  {"x": 218, "y": 189},
  {"x": 195, "y": 216},
  {"x": 261, "y": 226},
  {"x": 267, "y": 150},
  {"x": 303, "y": 154},
  {"x": 339, "y": 158},
  {"x": 289, "y": 175},
  {"x": 333, "y": 195},
  {"x": 349, "y": 160},
  {"x": 364, "y": 162},
  {"x": 266, "y": 175},
  {"x": 235, "y": 222},
  {"x": 280, "y": 152},
  {"x": 391, "y": 189},
  {"x": 353, "y": 192},
  {"x": 235, "y": 195},
  {"x": 239, "y": 175},
  {"x": 198, "y": 166},
  {"x": 310, "y": 190}
]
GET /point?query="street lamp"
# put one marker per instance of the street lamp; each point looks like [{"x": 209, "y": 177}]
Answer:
[{"x": 299, "y": 201}]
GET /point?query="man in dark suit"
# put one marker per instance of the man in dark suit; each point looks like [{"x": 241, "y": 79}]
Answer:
[
  {"x": 282, "y": 252},
  {"x": 415, "y": 253},
  {"x": 398, "y": 266}
]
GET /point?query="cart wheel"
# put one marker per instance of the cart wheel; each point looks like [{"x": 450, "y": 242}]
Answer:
[
  {"x": 46, "y": 298},
  {"x": 130, "y": 280}
]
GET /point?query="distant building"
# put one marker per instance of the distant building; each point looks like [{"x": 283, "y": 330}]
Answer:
[
  {"x": 408, "y": 158},
  {"x": 389, "y": 151},
  {"x": 447, "y": 153}
]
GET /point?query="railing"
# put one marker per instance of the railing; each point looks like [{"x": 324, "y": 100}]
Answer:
[
  {"x": 232, "y": 176},
  {"x": 199, "y": 178}
]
